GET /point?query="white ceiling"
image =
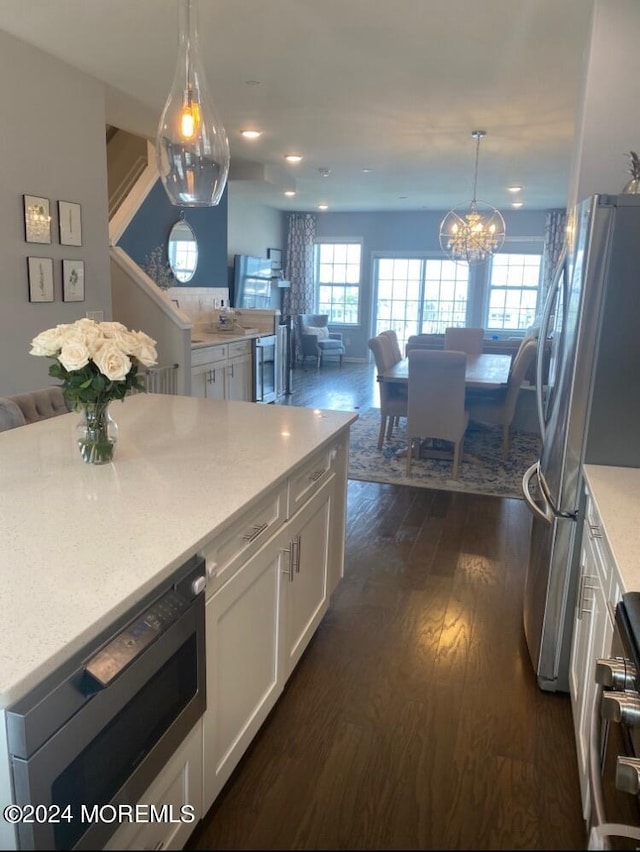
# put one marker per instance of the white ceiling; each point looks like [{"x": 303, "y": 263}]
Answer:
[{"x": 396, "y": 86}]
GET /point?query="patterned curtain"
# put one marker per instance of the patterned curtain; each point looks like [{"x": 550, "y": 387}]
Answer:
[
  {"x": 554, "y": 238},
  {"x": 300, "y": 297}
]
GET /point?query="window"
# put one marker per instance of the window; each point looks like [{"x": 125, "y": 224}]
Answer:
[
  {"x": 337, "y": 275},
  {"x": 420, "y": 296},
  {"x": 514, "y": 283}
]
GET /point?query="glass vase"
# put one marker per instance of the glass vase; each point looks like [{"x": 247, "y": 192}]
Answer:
[{"x": 97, "y": 434}]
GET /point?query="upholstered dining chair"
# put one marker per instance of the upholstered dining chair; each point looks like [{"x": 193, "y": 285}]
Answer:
[
  {"x": 467, "y": 340},
  {"x": 315, "y": 339},
  {"x": 393, "y": 397},
  {"x": 395, "y": 346},
  {"x": 499, "y": 409},
  {"x": 435, "y": 406}
]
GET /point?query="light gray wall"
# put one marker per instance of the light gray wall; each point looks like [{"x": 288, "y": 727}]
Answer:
[
  {"x": 608, "y": 124},
  {"x": 413, "y": 233},
  {"x": 252, "y": 227},
  {"x": 52, "y": 143}
]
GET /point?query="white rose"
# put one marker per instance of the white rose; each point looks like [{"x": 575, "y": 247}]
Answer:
[
  {"x": 74, "y": 355},
  {"x": 144, "y": 349},
  {"x": 47, "y": 343},
  {"x": 112, "y": 362},
  {"x": 109, "y": 329}
]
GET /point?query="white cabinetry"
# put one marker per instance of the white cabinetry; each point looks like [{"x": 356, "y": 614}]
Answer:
[
  {"x": 208, "y": 368},
  {"x": 178, "y": 785},
  {"x": 598, "y": 593},
  {"x": 222, "y": 371},
  {"x": 269, "y": 581},
  {"x": 243, "y": 675},
  {"x": 239, "y": 384},
  {"x": 304, "y": 597}
]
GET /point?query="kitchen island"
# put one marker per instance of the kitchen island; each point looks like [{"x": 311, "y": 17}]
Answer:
[{"x": 82, "y": 544}]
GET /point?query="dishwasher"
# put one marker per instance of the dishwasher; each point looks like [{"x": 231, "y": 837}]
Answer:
[{"x": 99, "y": 729}]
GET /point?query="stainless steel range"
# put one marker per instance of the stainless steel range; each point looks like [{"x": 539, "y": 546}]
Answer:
[{"x": 614, "y": 754}]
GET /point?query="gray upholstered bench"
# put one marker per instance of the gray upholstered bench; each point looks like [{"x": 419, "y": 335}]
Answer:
[{"x": 29, "y": 407}]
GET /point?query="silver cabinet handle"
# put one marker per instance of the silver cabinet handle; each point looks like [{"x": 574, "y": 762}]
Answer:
[
  {"x": 295, "y": 548},
  {"x": 584, "y": 587},
  {"x": 594, "y": 531},
  {"x": 315, "y": 476},
  {"x": 254, "y": 532},
  {"x": 289, "y": 569}
]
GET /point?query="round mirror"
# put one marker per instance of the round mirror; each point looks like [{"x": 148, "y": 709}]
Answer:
[{"x": 183, "y": 251}]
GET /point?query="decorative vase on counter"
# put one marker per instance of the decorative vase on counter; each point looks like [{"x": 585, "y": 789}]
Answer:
[{"x": 97, "y": 434}]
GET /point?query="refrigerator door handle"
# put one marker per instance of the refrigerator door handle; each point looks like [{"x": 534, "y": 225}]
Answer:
[
  {"x": 542, "y": 337},
  {"x": 545, "y": 514}
]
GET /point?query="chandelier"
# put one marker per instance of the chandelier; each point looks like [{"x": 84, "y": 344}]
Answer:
[
  {"x": 192, "y": 149},
  {"x": 471, "y": 233}
]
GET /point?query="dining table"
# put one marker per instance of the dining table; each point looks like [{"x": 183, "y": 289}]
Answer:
[{"x": 483, "y": 372}]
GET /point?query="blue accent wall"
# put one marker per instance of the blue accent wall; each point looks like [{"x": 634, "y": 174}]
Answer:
[{"x": 152, "y": 224}]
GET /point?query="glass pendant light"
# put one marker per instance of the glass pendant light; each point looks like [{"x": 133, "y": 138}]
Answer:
[
  {"x": 472, "y": 233},
  {"x": 192, "y": 149}
]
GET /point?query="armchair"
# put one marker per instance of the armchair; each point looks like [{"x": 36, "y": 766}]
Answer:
[{"x": 315, "y": 339}]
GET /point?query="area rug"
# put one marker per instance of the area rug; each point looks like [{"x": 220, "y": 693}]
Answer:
[{"x": 482, "y": 470}]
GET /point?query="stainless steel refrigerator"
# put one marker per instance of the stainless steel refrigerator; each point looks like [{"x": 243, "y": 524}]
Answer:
[{"x": 589, "y": 410}]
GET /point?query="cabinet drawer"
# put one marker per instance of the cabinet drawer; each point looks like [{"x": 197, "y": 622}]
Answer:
[
  {"x": 305, "y": 482},
  {"x": 239, "y": 347},
  {"x": 209, "y": 354},
  {"x": 243, "y": 537},
  {"x": 605, "y": 564}
]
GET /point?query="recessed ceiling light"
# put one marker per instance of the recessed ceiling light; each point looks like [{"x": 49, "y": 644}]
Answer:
[
  {"x": 323, "y": 206},
  {"x": 514, "y": 188},
  {"x": 517, "y": 203},
  {"x": 293, "y": 158},
  {"x": 290, "y": 192},
  {"x": 251, "y": 134},
  {"x": 366, "y": 171}
]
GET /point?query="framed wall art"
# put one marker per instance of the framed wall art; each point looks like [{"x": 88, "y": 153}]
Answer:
[
  {"x": 70, "y": 223},
  {"x": 275, "y": 256},
  {"x": 73, "y": 280},
  {"x": 40, "y": 272},
  {"x": 37, "y": 219}
]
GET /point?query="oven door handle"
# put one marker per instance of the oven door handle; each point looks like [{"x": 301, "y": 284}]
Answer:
[{"x": 601, "y": 830}]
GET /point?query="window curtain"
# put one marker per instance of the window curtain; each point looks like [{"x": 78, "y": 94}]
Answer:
[
  {"x": 300, "y": 297},
  {"x": 554, "y": 238}
]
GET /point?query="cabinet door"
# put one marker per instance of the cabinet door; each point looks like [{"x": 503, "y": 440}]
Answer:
[
  {"x": 243, "y": 675},
  {"x": 239, "y": 378},
  {"x": 208, "y": 380},
  {"x": 304, "y": 588},
  {"x": 592, "y": 635}
]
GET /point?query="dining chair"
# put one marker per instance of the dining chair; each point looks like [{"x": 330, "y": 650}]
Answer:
[
  {"x": 467, "y": 340},
  {"x": 393, "y": 397},
  {"x": 499, "y": 409},
  {"x": 436, "y": 400},
  {"x": 395, "y": 346}
]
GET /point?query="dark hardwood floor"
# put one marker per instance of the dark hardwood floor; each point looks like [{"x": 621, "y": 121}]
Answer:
[{"x": 413, "y": 720}]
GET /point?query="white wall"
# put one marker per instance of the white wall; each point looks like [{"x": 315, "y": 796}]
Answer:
[
  {"x": 608, "y": 123},
  {"x": 52, "y": 144},
  {"x": 252, "y": 227}
]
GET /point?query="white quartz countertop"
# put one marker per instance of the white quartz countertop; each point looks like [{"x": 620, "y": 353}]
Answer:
[
  {"x": 616, "y": 494},
  {"x": 80, "y": 544},
  {"x": 209, "y": 338}
]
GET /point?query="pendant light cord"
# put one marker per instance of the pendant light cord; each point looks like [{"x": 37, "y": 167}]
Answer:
[{"x": 478, "y": 136}]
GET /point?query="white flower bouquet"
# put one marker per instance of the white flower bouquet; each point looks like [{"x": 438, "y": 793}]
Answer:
[{"x": 97, "y": 362}]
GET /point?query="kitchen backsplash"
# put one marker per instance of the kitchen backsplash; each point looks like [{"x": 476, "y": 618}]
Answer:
[
  {"x": 199, "y": 303},
  {"x": 203, "y": 305}
]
